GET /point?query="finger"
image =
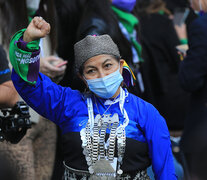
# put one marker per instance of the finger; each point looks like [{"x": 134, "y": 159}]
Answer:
[
  {"x": 45, "y": 28},
  {"x": 39, "y": 22},
  {"x": 51, "y": 75},
  {"x": 63, "y": 68},
  {"x": 41, "y": 18},
  {"x": 61, "y": 64},
  {"x": 36, "y": 20},
  {"x": 40, "y": 25},
  {"x": 53, "y": 69},
  {"x": 54, "y": 58},
  {"x": 58, "y": 73}
]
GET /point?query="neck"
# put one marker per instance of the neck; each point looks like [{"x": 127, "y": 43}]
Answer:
[{"x": 117, "y": 93}]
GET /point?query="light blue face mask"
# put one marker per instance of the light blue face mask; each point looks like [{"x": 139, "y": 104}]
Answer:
[{"x": 107, "y": 86}]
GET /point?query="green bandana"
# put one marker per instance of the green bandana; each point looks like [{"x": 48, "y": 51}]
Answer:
[
  {"x": 23, "y": 61},
  {"x": 129, "y": 21}
]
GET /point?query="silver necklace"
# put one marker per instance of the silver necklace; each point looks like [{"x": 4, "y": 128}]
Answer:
[
  {"x": 98, "y": 153},
  {"x": 107, "y": 108}
]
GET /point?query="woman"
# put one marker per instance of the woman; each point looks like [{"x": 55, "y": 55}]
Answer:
[
  {"x": 162, "y": 62},
  {"x": 86, "y": 119}
]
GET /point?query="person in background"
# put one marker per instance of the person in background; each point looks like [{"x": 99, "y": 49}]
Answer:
[
  {"x": 8, "y": 94},
  {"x": 85, "y": 118},
  {"x": 193, "y": 78},
  {"x": 162, "y": 61},
  {"x": 33, "y": 156},
  {"x": 159, "y": 40}
]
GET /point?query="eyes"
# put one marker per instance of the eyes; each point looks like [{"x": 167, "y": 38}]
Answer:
[
  {"x": 90, "y": 71},
  {"x": 106, "y": 66}
]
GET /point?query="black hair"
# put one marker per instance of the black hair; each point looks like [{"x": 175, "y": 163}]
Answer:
[
  {"x": 69, "y": 13},
  {"x": 48, "y": 12},
  {"x": 102, "y": 11},
  {"x": 13, "y": 17},
  {"x": 144, "y": 7},
  {"x": 172, "y": 5}
]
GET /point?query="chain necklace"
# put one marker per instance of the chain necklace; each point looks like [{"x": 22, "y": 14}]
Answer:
[
  {"x": 98, "y": 153},
  {"x": 107, "y": 108}
]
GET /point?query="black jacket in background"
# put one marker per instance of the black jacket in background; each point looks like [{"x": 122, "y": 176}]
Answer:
[
  {"x": 159, "y": 40},
  {"x": 193, "y": 78}
]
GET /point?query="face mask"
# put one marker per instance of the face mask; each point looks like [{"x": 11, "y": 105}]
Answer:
[
  {"x": 126, "y": 5},
  {"x": 33, "y": 4},
  {"x": 107, "y": 86}
]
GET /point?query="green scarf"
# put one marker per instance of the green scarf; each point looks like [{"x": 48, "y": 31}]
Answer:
[
  {"x": 129, "y": 21},
  {"x": 20, "y": 59}
]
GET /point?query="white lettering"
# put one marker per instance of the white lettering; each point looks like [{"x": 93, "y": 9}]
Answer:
[
  {"x": 17, "y": 54},
  {"x": 28, "y": 60}
]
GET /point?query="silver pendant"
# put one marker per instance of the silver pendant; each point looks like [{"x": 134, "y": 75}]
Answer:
[
  {"x": 94, "y": 177},
  {"x": 104, "y": 167}
]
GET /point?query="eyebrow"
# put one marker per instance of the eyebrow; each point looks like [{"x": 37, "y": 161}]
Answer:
[
  {"x": 87, "y": 67},
  {"x": 106, "y": 61}
]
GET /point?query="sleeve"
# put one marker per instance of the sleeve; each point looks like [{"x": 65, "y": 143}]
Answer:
[
  {"x": 47, "y": 98},
  {"x": 39, "y": 92},
  {"x": 160, "y": 150},
  {"x": 5, "y": 73},
  {"x": 193, "y": 68}
]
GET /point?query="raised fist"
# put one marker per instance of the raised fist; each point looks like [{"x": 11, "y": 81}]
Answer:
[{"x": 38, "y": 28}]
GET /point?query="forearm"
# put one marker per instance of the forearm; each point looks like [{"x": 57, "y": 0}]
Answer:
[
  {"x": 8, "y": 95},
  {"x": 45, "y": 97}
]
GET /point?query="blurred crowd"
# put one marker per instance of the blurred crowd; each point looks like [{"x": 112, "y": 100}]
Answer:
[{"x": 164, "y": 42}]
